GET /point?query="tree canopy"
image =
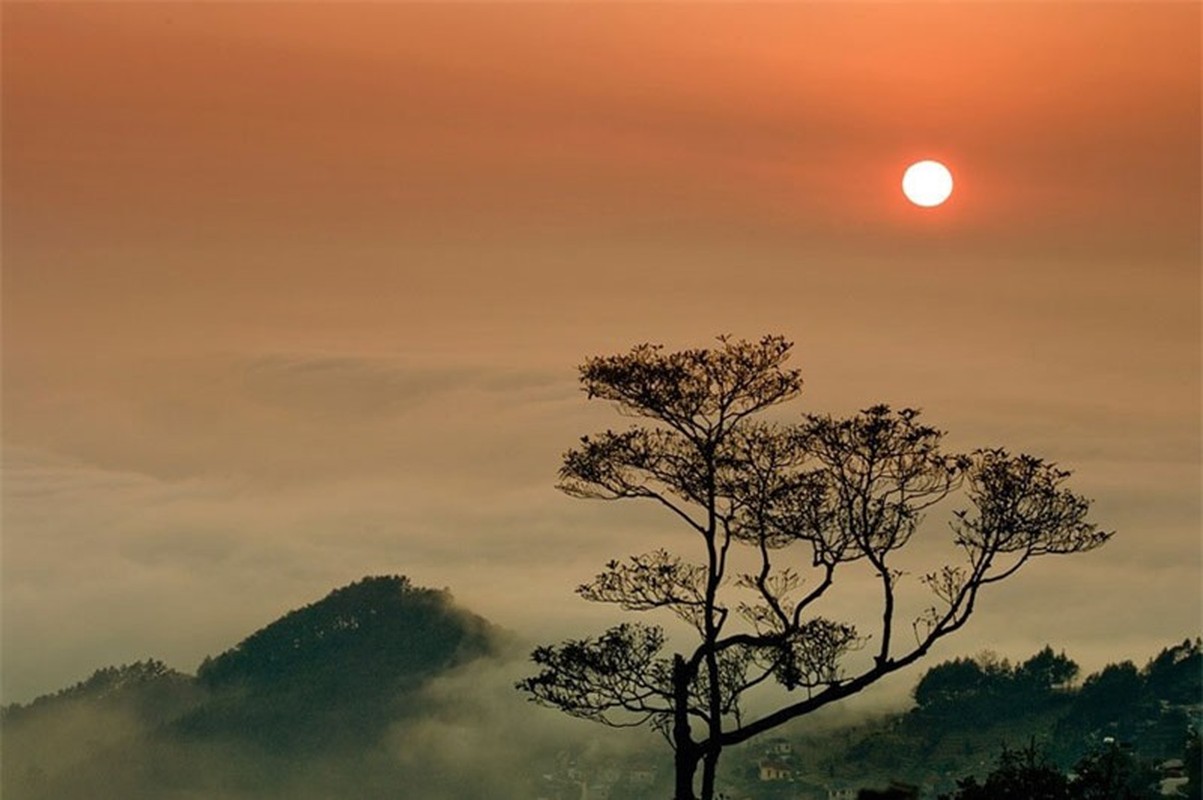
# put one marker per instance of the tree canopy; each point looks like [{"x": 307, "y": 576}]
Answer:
[
  {"x": 1107, "y": 773},
  {"x": 777, "y": 511},
  {"x": 968, "y": 691}
]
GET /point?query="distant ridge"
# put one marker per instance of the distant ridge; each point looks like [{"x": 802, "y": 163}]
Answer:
[
  {"x": 336, "y": 671},
  {"x": 318, "y": 688},
  {"x": 378, "y": 629},
  {"x": 333, "y": 701}
]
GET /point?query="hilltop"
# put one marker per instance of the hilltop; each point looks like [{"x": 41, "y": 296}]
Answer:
[{"x": 326, "y": 679}]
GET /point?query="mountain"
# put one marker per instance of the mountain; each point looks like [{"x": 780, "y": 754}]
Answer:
[
  {"x": 321, "y": 683},
  {"x": 339, "y": 671},
  {"x": 378, "y": 630}
]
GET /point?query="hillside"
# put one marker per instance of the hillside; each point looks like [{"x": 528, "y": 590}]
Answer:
[
  {"x": 338, "y": 671},
  {"x": 383, "y": 689},
  {"x": 327, "y": 678},
  {"x": 967, "y": 709}
]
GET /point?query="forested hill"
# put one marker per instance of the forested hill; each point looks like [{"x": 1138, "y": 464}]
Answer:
[
  {"x": 379, "y": 631},
  {"x": 967, "y": 708},
  {"x": 338, "y": 671},
  {"x": 377, "y": 686},
  {"x": 1148, "y": 707},
  {"x": 330, "y": 677},
  {"x": 361, "y": 644}
]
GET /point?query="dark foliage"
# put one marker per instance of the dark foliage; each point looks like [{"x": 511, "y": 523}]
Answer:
[
  {"x": 1024, "y": 774},
  {"x": 1110, "y": 773},
  {"x": 150, "y": 689},
  {"x": 1150, "y": 705},
  {"x": 966, "y": 692},
  {"x": 1174, "y": 674},
  {"x": 1113, "y": 773},
  {"x": 800, "y": 502},
  {"x": 104, "y": 682},
  {"x": 1193, "y": 761},
  {"x": 335, "y": 672},
  {"x": 376, "y": 630},
  {"x": 1119, "y": 699},
  {"x": 1045, "y": 672},
  {"x": 312, "y": 691}
]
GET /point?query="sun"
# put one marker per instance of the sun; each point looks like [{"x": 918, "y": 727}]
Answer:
[{"x": 927, "y": 183}]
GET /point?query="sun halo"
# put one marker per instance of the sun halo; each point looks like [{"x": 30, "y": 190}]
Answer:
[{"x": 927, "y": 183}]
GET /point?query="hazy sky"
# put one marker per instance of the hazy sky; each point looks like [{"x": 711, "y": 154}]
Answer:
[{"x": 294, "y": 292}]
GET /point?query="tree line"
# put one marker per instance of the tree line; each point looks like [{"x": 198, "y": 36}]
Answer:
[{"x": 1118, "y": 699}]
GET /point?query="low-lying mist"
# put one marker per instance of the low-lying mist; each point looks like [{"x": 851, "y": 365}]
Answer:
[{"x": 471, "y": 735}]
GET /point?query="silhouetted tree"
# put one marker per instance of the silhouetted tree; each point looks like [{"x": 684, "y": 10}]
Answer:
[
  {"x": 817, "y": 497},
  {"x": 1046, "y": 671},
  {"x": 1112, "y": 773},
  {"x": 1111, "y": 695},
  {"x": 1176, "y": 673},
  {"x": 964, "y": 694},
  {"x": 1024, "y": 774},
  {"x": 949, "y": 684}
]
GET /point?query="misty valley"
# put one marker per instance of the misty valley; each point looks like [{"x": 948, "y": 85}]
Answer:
[{"x": 387, "y": 690}]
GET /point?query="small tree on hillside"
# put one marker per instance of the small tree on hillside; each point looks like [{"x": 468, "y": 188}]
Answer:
[
  {"x": 1046, "y": 671},
  {"x": 1024, "y": 774},
  {"x": 948, "y": 686},
  {"x": 803, "y": 502}
]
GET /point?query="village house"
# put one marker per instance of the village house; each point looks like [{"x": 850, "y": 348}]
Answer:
[{"x": 772, "y": 769}]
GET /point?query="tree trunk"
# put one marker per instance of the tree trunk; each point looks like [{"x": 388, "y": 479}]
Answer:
[
  {"x": 685, "y": 761},
  {"x": 686, "y": 765},
  {"x": 709, "y": 768}
]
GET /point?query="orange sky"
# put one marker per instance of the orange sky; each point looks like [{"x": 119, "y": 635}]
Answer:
[
  {"x": 254, "y": 249},
  {"x": 302, "y": 131}
]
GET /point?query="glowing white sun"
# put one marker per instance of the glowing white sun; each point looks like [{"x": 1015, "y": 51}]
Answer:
[{"x": 927, "y": 183}]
